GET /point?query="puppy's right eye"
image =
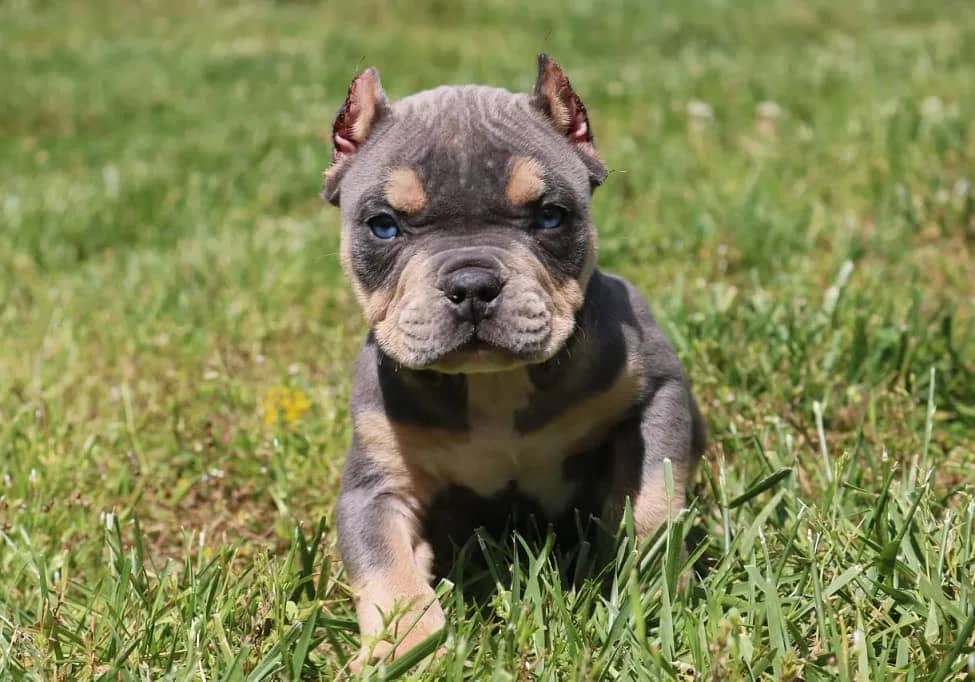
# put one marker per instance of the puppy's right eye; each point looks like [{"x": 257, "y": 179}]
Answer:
[{"x": 383, "y": 226}]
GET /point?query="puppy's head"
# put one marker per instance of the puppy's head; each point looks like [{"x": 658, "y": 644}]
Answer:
[{"x": 466, "y": 228}]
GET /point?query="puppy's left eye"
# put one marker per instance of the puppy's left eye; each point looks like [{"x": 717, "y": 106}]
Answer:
[{"x": 549, "y": 217}]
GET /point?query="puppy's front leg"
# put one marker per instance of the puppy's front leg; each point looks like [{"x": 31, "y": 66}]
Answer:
[
  {"x": 669, "y": 427},
  {"x": 387, "y": 561}
]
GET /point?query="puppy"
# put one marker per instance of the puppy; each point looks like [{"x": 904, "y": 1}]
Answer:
[{"x": 503, "y": 370}]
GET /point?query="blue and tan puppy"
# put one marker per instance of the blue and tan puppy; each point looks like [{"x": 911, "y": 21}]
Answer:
[{"x": 502, "y": 367}]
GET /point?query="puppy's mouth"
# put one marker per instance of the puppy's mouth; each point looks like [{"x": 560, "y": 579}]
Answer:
[{"x": 477, "y": 355}]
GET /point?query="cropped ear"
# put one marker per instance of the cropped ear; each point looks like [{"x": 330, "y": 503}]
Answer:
[
  {"x": 364, "y": 106},
  {"x": 553, "y": 96}
]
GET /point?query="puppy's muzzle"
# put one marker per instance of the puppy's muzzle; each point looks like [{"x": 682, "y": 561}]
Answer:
[{"x": 472, "y": 284}]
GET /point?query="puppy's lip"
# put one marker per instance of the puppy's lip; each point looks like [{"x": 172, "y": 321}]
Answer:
[
  {"x": 477, "y": 355},
  {"x": 477, "y": 344},
  {"x": 476, "y": 347}
]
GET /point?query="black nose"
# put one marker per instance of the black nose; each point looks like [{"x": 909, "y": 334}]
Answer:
[{"x": 471, "y": 291}]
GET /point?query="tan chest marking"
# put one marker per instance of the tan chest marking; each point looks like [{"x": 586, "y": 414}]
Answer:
[{"x": 489, "y": 455}]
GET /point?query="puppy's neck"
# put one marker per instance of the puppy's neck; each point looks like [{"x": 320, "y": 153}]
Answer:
[{"x": 498, "y": 395}]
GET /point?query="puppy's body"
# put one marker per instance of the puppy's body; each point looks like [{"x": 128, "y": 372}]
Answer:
[
  {"x": 559, "y": 435},
  {"x": 504, "y": 375}
]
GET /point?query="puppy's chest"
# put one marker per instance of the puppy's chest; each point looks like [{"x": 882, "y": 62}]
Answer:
[{"x": 503, "y": 449}]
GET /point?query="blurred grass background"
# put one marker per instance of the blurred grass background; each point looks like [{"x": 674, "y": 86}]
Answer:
[{"x": 791, "y": 187}]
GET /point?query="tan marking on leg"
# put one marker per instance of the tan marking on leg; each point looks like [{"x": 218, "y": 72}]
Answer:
[
  {"x": 404, "y": 191},
  {"x": 397, "y": 604},
  {"x": 651, "y": 505},
  {"x": 526, "y": 182}
]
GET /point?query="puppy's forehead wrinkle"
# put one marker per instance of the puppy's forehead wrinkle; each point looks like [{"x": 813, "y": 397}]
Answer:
[
  {"x": 474, "y": 121},
  {"x": 457, "y": 107}
]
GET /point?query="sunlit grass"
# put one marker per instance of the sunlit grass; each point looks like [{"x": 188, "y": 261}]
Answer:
[{"x": 791, "y": 187}]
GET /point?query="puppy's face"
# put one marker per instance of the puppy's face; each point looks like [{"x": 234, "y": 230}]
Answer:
[{"x": 467, "y": 233}]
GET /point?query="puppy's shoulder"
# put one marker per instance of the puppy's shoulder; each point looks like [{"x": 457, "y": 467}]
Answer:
[{"x": 621, "y": 304}]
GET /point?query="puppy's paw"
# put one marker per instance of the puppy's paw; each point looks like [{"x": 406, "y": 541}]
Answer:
[{"x": 409, "y": 630}]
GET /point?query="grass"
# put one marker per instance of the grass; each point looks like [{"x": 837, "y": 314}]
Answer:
[{"x": 792, "y": 189}]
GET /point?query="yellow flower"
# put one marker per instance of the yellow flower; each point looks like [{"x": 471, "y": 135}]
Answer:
[{"x": 284, "y": 405}]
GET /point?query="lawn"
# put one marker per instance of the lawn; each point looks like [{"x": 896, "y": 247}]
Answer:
[{"x": 791, "y": 186}]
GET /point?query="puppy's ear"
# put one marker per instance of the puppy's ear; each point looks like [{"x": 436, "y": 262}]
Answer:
[
  {"x": 365, "y": 105},
  {"x": 554, "y": 96}
]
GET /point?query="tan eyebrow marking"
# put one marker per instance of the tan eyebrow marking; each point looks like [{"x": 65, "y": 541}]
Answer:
[
  {"x": 525, "y": 183},
  {"x": 404, "y": 191}
]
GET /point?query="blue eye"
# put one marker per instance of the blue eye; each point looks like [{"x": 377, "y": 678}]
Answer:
[
  {"x": 550, "y": 217},
  {"x": 383, "y": 226}
]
